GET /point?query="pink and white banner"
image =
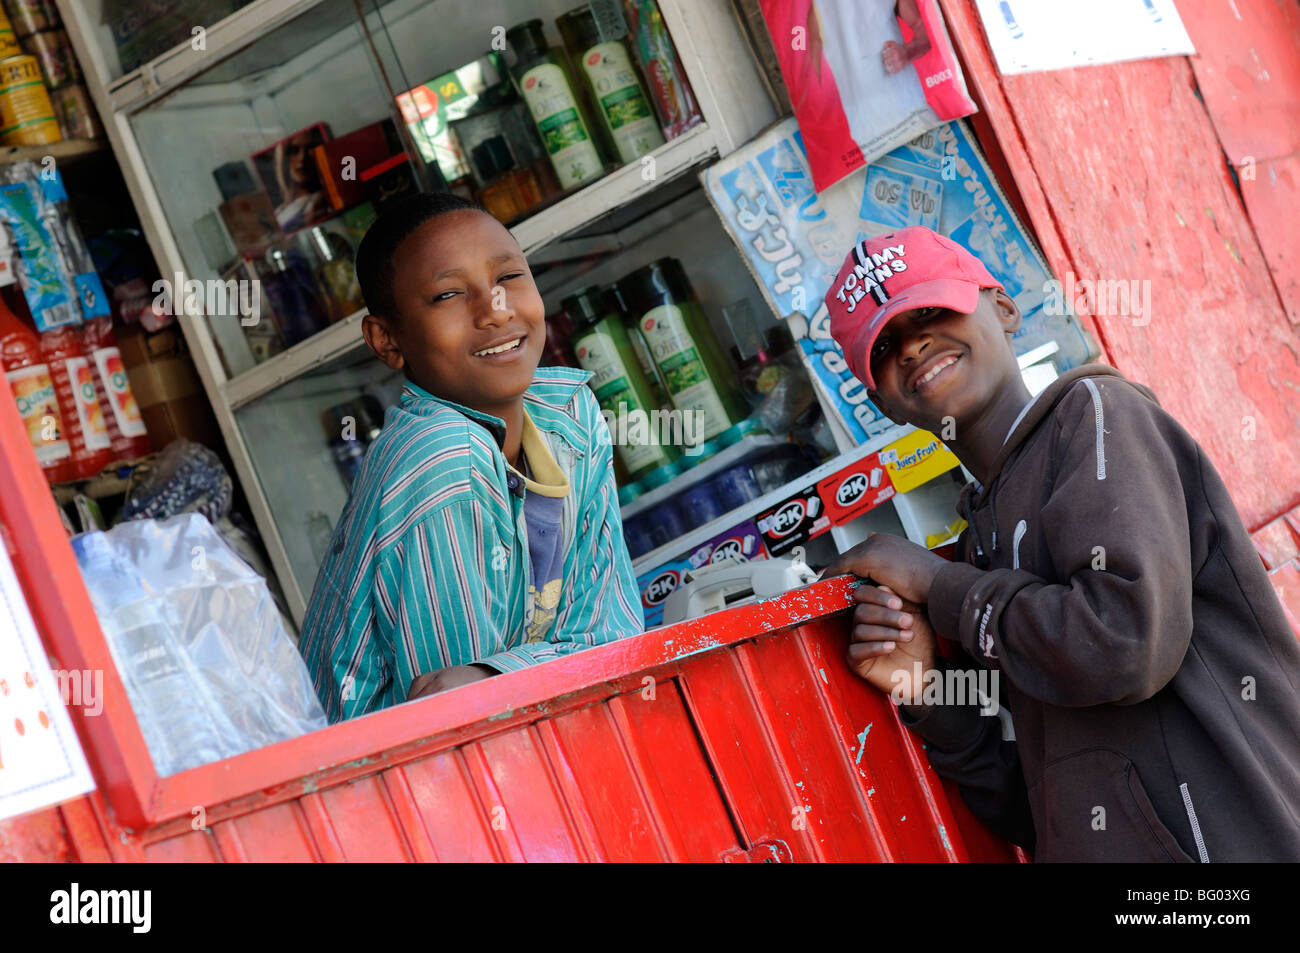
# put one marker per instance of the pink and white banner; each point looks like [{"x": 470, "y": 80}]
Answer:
[{"x": 865, "y": 76}]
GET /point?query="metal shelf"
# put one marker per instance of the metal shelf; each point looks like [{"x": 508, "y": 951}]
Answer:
[
  {"x": 182, "y": 63},
  {"x": 738, "y": 452},
  {"x": 62, "y": 151},
  {"x": 624, "y": 185},
  {"x": 615, "y": 190},
  {"x": 335, "y": 341}
]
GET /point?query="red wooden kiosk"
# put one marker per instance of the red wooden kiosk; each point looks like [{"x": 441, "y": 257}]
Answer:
[
  {"x": 740, "y": 736},
  {"x": 743, "y": 736}
]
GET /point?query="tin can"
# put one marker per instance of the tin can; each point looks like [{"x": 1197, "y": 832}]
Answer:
[
  {"x": 699, "y": 505},
  {"x": 666, "y": 523},
  {"x": 8, "y": 41},
  {"x": 737, "y": 485},
  {"x": 54, "y": 52},
  {"x": 779, "y": 468},
  {"x": 26, "y": 113},
  {"x": 348, "y": 457},
  {"x": 637, "y": 535},
  {"x": 76, "y": 113}
]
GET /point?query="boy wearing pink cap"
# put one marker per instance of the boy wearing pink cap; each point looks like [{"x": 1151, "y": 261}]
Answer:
[{"x": 1149, "y": 672}]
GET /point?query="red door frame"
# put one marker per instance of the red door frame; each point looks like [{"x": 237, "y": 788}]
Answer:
[{"x": 60, "y": 606}]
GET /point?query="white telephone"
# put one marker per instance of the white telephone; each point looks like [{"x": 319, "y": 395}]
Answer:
[{"x": 732, "y": 582}]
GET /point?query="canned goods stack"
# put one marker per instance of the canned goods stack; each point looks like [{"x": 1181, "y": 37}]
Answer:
[
  {"x": 26, "y": 113},
  {"x": 32, "y": 16},
  {"x": 711, "y": 499},
  {"x": 42, "y": 97}
]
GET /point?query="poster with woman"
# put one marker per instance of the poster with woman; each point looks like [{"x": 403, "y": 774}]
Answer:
[
  {"x": 292, "y": 181},
  {"x": 864, "y": 76}
]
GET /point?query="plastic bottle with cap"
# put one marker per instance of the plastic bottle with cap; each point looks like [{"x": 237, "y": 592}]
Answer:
[
  {"x": 169, "y": 701},
  {"x": 28, "y": 377},
  {"x": 602, "y": 346},
  {"x": 126, "y": 430},
  {"x": 618, "y": 96},
  {"x": 546, "y": 84},
  {"x": 74, "y": 386},
  {"x": 698, "y": 376}
]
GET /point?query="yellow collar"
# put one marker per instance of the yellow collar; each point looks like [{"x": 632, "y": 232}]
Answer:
[{"x": 549, "y": 478}]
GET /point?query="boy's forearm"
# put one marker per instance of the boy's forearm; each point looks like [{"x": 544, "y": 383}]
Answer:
[
  {"x": 966, "y": 746},
  {"x": 534, "y": 653},
  {"x": 945, "y": 727}
]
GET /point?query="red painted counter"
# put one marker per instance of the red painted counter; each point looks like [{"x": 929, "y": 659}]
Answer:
[{"x": 742, "y": 736}]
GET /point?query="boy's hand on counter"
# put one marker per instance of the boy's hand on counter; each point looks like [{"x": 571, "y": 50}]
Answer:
[
  {"x": 430, "y": 683},
  {"x": 890, "y": 636},
  {"x": 891, "y": 561}
]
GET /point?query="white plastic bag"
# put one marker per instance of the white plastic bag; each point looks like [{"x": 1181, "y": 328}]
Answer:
[{"x": 229, "y": 679}]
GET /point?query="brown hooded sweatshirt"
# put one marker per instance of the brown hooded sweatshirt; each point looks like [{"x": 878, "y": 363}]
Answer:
[{"x": 1151, "y": 677}]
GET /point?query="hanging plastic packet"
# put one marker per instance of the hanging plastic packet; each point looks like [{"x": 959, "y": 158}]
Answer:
[{"x": 54, "y": 266}]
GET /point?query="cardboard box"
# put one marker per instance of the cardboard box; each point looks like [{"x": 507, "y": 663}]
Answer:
[
  {"x": 341, "y": 161},
  {"x": 742, "y": 542},
  {"x": 656, "y": 586},
  {"x": 856, "y": 489},
  {"x": 167, "y": 387},
  {"x": 429, "y": 109},
  {"x": 142, "y": 30},
  {"x": 250, "y": 222},
  {"x": 291, "y": 179},
  {"x": 793, "y": 521}
]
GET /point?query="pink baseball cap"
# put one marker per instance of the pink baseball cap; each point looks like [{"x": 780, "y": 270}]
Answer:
[{"x": 911, "y": 268}]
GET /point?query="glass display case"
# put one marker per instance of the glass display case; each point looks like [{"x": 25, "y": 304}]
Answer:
[{"x": 259, "y": 143}]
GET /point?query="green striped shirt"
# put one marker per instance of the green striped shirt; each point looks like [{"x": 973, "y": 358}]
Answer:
[{"x": 429, "y": 566}]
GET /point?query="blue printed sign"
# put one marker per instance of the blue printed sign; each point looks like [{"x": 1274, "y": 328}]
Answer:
[{"x": 794, "y": 241}]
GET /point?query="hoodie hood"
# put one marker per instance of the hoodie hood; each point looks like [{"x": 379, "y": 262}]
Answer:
[
  {"x": 973, "y": 496},
  {"x": 1038, "y": 411}
]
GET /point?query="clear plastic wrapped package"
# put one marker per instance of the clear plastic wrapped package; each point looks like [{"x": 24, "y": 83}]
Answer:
[{"x": 207, "y": 664}]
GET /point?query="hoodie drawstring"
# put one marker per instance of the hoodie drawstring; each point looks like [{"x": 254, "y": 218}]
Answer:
[{"x": 966, "y": 510}]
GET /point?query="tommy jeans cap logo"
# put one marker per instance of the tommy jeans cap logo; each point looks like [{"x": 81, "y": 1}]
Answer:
[
  {"x": 912, "y": 268},
  {"x": 870, "y": 273}
]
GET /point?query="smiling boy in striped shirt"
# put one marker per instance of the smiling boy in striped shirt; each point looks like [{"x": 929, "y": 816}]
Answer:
[{"x": 483, "y": 533}]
